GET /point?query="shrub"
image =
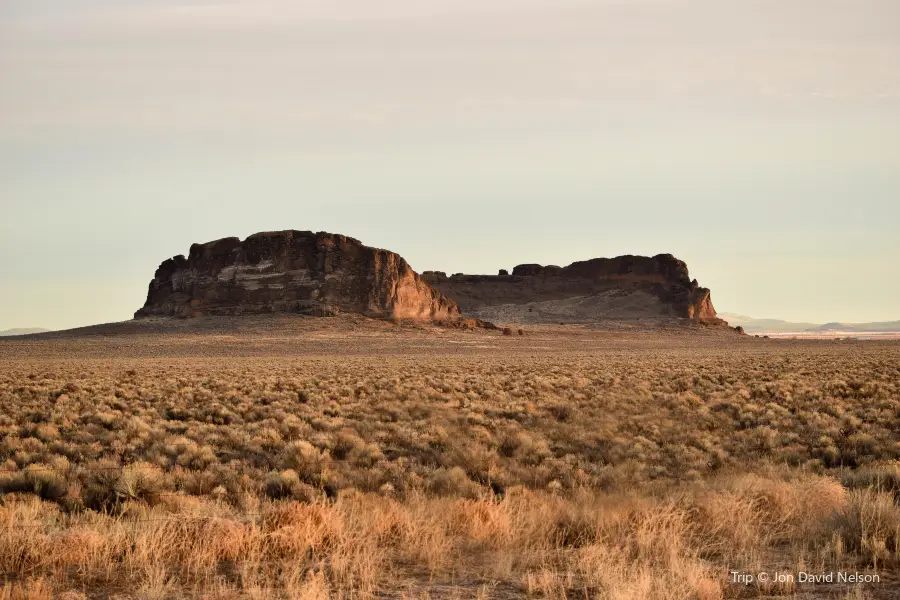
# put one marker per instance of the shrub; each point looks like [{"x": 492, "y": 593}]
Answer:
[
  {"x": 870, "y": 526},
  {"x": 109, "y": 486},
  {"x": 303, "y": 458},
  {"x": 453, "y": 482},
  {"x": 881, "y": 478},
  {"x": 37, "y": 479},
  {"x": 278, "y": 485},
  {"x": 287, "y": 484}
]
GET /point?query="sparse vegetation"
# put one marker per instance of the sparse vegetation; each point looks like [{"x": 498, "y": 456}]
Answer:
[{"x": 538, "y": 466}]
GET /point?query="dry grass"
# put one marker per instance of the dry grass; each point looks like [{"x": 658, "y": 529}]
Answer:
[{"x": 422, "y": 463}]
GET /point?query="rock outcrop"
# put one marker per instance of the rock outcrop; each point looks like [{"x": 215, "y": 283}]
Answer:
[
  {"x": 621, "y": 287},
  {"x": 293, "y": 271}
]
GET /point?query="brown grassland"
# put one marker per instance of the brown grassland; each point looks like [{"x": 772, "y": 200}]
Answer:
[{"x": 345, "y": 458}]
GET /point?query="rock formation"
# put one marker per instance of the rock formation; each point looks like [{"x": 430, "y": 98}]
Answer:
[
  {"x": 323, "y": 274},
  {"x": 622, "y": 287},
  {"x": 292, "y": 271}
]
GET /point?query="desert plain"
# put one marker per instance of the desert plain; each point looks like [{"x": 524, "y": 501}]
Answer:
[{"x": 344, "y": 457}]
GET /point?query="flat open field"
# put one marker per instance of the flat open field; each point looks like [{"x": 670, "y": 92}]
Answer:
[{"x": 346, "y": 458}]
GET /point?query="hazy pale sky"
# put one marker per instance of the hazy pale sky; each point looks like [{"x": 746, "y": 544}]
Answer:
[{"x": 757, "y": 140}]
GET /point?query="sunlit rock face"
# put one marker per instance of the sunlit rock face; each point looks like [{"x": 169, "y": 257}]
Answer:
[{"x": 292, "y": 271}]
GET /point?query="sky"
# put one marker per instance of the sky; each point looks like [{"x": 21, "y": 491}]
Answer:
[{"x": 757, "y": 140}]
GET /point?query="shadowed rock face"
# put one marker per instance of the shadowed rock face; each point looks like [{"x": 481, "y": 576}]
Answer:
[
  {"x": 292, "y": 271},
  {"x": 663, "y": 277}
]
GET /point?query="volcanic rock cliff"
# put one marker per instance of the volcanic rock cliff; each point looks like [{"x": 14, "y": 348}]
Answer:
[
  {"x": 292, "y": 271},
  {"x": 624, "y": 287}
]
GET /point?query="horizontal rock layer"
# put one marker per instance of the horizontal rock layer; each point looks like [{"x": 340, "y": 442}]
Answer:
[
  {"x": 663, "y": 277},
  {"x": 292, "y": 271}
]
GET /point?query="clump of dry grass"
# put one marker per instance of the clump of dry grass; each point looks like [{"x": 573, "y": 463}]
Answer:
[{"x": 870, "y": 527}]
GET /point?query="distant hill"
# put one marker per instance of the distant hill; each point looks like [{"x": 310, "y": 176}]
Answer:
[
  {"x": 751, "y": 324},
  {"x": 22, "y": 331},
  {"x": 858, "y": 327},
  {"x": 774, "y": 325}
]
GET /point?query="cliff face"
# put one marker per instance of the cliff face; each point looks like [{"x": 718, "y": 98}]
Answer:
[
  {"x": 604, "y": 287},
  {"x": 292, "y": 271}
]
